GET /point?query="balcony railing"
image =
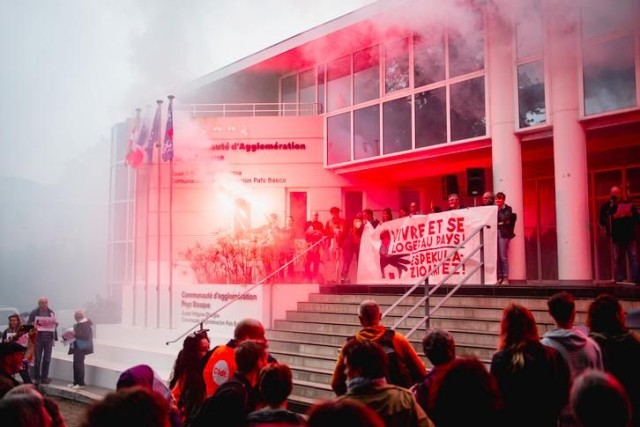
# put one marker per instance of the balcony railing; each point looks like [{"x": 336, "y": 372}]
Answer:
[{"x": 252, "y": 109}]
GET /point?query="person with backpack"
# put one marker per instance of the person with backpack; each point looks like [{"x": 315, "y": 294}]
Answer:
[
  {"x": 366, "y": 363},
  {"x": 238, "y": 396},
  {"x": 404, "y": 368}
]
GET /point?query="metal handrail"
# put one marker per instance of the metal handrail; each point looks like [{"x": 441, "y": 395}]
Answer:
[
  {"x": 433, "y": 269},
  {"x": 429, "y": 292},
  {"x": 253, "y": 109},
  {"x": 239, "y": 296}
]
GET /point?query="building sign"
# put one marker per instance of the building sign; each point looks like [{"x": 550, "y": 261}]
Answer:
[
  {"x": 194, "y": 303},
  {"x": 405, "y": 250}
]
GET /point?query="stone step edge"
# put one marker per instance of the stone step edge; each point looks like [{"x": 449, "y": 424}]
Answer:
[{"x": 458, "y": 344}]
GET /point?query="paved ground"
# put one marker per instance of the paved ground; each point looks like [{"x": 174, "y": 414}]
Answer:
[
  {"x": 73, "y": 403},
  {"x": 72, "y": 411}
]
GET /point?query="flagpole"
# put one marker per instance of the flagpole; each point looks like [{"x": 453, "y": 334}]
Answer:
[
  {"x": 159, "y": 216},
  {"x": 135, "y": 233},
  {"x": 142, "y": 140},
  {"x": 146, "y": 245},
  {"x": 171, "y": 226}
]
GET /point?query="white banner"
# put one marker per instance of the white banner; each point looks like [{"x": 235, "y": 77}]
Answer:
[{"x": 406, "y": 249}]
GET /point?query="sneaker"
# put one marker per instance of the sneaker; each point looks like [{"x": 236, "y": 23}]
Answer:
[
  {"x": 72, "y": 385},
  {"x": 78, "y": 387}
]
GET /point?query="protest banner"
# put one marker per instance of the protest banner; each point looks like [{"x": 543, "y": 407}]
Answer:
[
  {"x": 46, "y": 324},
  {"x": 406, "y": 249}
]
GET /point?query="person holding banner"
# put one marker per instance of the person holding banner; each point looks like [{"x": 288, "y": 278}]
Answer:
[
  {"x": 46, "y": 325},
  {"x": 335, "y": 230},
  {"x": 506, "y": 224},
  {"x": 351, "y": 246}
]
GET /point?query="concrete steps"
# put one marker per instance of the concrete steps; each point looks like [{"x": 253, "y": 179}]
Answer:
[{"x": 308, "y": 339}]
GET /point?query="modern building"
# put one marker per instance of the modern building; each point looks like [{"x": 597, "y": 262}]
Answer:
[{"x": 404, "y": 101}]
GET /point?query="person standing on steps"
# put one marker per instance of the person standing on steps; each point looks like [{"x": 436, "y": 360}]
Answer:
[{"x": 45, "y": 320}]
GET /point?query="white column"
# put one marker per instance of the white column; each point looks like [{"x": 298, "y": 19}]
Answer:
[
  {"x": 505, "y": 147},
  {"x": 569, "y": 142}
]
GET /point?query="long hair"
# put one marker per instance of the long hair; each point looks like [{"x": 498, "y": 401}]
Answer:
[
  {"x": 187, "y": 370},
  {"x": 517, "y": 329}
]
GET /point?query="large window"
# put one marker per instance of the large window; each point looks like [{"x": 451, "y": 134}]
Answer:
[
  {"x": 609, "y": 56},
  {"x": 339, "y": 138},
  {"x": 532, "y": 108},
  {"x": 307, "y": 83},
  {"x": 397, "y": 125},
  {"x": 429, "y": 57},
  {"x": 467, "y": 109},
  {"x": 366, "y": 75},
  {"x": 290, "y": 95},
  {"x": 396, "y": 74},
  {"x": 431, "y": 117},
  {"x": 339, "y": 84},
  {"x": 413, "y": 92},
  {"x": 366, "y": 132}
]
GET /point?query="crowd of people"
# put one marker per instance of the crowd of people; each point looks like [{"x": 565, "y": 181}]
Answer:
[
  {"x": 333, "y": 246},
  {"x": 566, "y": 377},
  {"x": 336, "y": 243}
]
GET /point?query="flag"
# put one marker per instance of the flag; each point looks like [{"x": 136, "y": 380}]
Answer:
[
  {"x": 143, "y": 133},
  {"x": 167, "y": 147},
  {"x": 154, "y": 135},
  {"x": 135, "y": 154}
]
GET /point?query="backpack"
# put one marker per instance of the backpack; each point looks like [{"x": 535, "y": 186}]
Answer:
[{"x": 397, "y": 371}]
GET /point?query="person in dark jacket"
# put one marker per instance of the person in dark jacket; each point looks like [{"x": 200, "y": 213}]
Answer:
[
  {"x": 275, "y": 385},
  {"x": 44, "y": 340},
  {"x": 620, "y": 348},
  {"x": 506, "y": 223},
  {"x": 83, "y": 345},
  {"x": 237, "y": 397},
  {"x": 533, "y": 378},
  {"x": 440, "y": 348},
  {"x": 619, "y": 217}
]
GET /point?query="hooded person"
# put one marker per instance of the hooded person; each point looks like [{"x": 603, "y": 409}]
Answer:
[
  {"x": 144, "y": 376},
  {"x": 576, "y": 348}
]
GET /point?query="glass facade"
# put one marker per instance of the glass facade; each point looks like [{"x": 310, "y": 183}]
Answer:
[
  {"x": 396, "y": 72},
  {"x": 339, "y": 84},
  {"x": 429, "y": 58},
  {"x": 532, "y": 109},
  {"x": 609, "y": 76},
  {"x": 366, "y": 75},
  {"x": 609, "y": 56},
  {"x": 431, "y": 117},
  {"x": 397, "y": 125},
  {"x": 339, "y": 138},
  {"x": 467, "y": 109},
  {"x": 366, "y": 132},
  {"x": 409, "y": 93},
  {"x": 290, "y": 95}
]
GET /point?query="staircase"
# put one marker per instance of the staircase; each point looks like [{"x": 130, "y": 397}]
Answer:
[{"x": 309, "y": 338}]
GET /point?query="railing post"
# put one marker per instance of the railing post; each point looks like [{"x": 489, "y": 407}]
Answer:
[
  {"x": 427, "y": 303},
  {"x": 482, "y": 255}
]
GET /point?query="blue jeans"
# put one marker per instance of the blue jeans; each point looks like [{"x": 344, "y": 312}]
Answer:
[
  {"x": 43, "y": 359},
  {"x": 620, "y": 268},
  {"x": 503, "y": 257}
]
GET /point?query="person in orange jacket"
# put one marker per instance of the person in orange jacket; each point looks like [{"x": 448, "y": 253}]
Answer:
[
  {"x": 219, "y": 363},
  {"x": 370, "y": 316}
]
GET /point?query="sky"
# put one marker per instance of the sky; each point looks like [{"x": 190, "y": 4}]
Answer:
[{"x": 71, "y": 69}]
